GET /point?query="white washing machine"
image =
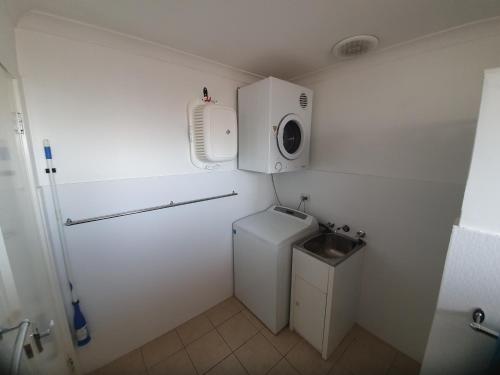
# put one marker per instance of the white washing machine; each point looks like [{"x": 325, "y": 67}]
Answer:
[
  {"x": 262, "y": 246},
  {"x": 274, "y": 126}
]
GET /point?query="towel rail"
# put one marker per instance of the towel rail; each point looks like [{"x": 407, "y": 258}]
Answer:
[{"x": 70, "y": 222}]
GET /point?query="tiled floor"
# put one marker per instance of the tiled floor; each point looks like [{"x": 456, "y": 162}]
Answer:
[{"x": 228, "y": 339}]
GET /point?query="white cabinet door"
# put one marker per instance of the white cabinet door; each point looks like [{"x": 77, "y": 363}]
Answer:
[
  {"x": 309, "y": 312},
  {"x": 311, "y": 270}
]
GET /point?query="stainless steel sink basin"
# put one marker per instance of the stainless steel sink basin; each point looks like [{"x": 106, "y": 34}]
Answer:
[{"x": 333, "y": 248}]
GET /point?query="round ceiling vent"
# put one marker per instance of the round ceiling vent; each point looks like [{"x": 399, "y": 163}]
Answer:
[{"x": 355, "y": 46}]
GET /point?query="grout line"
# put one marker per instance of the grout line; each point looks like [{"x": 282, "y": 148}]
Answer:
[
  {"x": 199, "y": 338},
  {"x": 241, "y": 364},
  {"x": 233, "y": 352},
  {"x": 143, "y": 360},
  {"x": 191, "y": 360},
  {"x": 275, "y": 365},
  {"x": 273, "y": 346},
  {"x": 392, "y": 363},
  {"x": 163, "y": 358},
  {"x": 292, "y": 366},
  {"x": 230, "y": 352}
]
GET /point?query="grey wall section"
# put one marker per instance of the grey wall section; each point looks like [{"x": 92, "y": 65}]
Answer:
[
  {"x": 7, "y": 41},
  {"x": 392, "y": 137},
  {"x": 470, "y": 280},
  {"x": 408, "y": 224}
]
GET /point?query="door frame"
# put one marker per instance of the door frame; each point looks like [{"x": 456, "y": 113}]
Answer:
[{"x": 61, "y": 323}]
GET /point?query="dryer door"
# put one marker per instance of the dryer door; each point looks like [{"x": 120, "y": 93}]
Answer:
[{"x": 290, "y": 137}]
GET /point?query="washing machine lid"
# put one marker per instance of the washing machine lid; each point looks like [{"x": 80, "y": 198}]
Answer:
[
  {"x": 290, "y": 136},
  {"x": 277, "y": 224}
]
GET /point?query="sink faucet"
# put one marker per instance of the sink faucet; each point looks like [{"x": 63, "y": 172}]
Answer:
[
  {"x": 361, "y": 234},
  {"x": 344, "y": 227},
  {"x": 328, "y": 227}
]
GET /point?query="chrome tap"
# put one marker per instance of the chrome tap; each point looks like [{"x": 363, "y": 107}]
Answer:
[
  {"x": 344, "y": 227},
  {"x": 328, "y": 227},
  {"x": 361, "y": 234}
]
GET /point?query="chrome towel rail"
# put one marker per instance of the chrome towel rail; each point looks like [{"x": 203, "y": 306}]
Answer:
[{"x": 70, "y": 222}]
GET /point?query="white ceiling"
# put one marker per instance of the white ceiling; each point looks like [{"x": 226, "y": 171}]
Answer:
[{"x": 283, "y": 38}]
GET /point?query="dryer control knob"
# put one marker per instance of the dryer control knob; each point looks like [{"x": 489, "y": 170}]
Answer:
[{"x": 278, "y": 166}]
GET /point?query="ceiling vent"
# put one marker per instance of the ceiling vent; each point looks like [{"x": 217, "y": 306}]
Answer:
[
  {"x": 355, "y": 46},
  {"x": 303, "y": 100}
]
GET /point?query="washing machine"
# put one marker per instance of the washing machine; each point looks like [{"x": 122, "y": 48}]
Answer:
[
  {"x": 274, "y": 126},
  {"x": 262, "y": 245}
]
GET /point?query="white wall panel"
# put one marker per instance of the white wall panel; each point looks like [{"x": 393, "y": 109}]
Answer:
[
  {"x": 481, "y": 201},
  {"x": 392, "y": 137},
  {"x": 470, "y": 280},
  {"x": 115, "y": 112}
]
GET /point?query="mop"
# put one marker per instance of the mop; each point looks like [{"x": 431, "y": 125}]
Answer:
[{"x": 79, "y": 323}]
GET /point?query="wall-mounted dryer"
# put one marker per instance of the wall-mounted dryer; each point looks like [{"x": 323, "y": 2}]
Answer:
[{"x": 274, "y": 121}]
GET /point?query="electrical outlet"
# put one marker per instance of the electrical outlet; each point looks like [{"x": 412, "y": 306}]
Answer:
[{"x": 304, "y": 197}]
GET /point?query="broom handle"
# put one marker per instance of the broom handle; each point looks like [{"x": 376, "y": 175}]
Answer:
[{"x": 59, "y": 220}]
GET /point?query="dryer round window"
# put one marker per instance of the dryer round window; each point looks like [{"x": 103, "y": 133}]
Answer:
[{"x": 290, "y": 137}]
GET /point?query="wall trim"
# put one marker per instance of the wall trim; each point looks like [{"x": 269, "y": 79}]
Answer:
[{"x": 83, "y": 32}]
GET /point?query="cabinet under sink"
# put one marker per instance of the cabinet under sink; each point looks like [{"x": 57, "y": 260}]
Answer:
[{"x": 325, "y": 293}]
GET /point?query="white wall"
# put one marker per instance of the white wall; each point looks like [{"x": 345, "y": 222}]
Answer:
[
  {"x": 471, "y": 277},
  {"x": 391, "y": 142},
  {"x": 98, "y": 91},
  {"x": 7, "y": 42},
  {"x": 481, "y": 200},
  {"x": 114, "y": 108},
  {"x": 470, "y": 280}
]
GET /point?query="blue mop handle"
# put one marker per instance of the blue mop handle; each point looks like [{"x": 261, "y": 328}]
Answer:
[
  {"x": 79, "y": 322},
  {"x": 47, "y": 150}
]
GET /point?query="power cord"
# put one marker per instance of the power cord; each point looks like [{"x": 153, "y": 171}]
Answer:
[
  {"x": 303, "y": 199},
  {"x": 275, "y": 191}
]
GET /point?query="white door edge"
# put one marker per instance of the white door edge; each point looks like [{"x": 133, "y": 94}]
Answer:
[{"x": 61, "y": 328}]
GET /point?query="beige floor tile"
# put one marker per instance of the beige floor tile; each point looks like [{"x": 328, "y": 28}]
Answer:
[
  {"x": 207, "y": 351},
  {"x": 368, "y": 355},
  {"x": 344, "y": 344},
  {"x": 194, "y": 329},
  {"x": 224, "y": 310},
  {"x": 160, "y": 348},
  {"x": 307, "y": 360},
  {"x": 178, "y": 364},
  {"x": 253, "y": 319},
  {"x": 229, "y": 366},
  {"x": 284, "y": 341},
  {"x": 257, "y": 355},
  {"x": 404, "y": 365},
  {"x": 236, "y": 331},
  {"x": 283, "y": 368},
  {"x": 129, "y": 364}
]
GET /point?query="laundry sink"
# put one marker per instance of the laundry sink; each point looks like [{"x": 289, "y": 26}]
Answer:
[{"x": 332, "y": 248}]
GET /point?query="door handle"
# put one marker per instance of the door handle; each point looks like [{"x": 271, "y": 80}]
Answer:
[
  {"x": 22, "y": 331},
  {"x": 478, "y": 317},
  {"x": 38, "y": 336}
]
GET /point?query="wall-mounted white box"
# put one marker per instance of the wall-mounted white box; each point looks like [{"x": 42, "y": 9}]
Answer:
[{"x": 213, "y": 134}]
